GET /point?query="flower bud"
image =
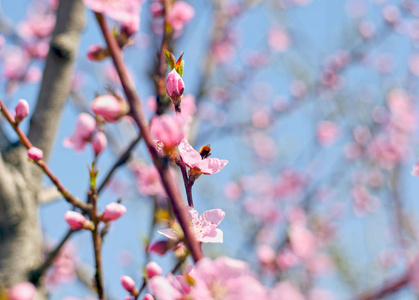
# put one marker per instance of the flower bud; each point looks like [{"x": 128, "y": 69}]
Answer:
[
  {"x": 35, "y": 153},
  {"x": 175, "y": 86},
  {"x": 167, "y": 129},
  {"x": 153, "y": 269},
  {"x": 22, "y": 110},
  {"x": 109, "y": 107},
  {"x": 75, "y": 220},
  {"x": 113, "y": 211},
  {"x": 128, "y": 284},
  {"x": 148, "y": 297},
  {"x": 22, "y": 291},
  {"x": 160, "y": 247},
  {"x": 97, "y": 53},
  {"x": 99, "y": 142}
]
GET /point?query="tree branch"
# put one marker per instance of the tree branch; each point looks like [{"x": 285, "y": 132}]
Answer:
[
  {"x": 57, "y": 74},
  {"x": 137, "y": 113}
]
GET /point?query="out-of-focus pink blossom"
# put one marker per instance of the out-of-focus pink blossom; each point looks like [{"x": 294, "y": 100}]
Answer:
[
  {"x": 167, "y": 129},
  {"x": 232, "y": 190},
  {"x": 366, "y": 29},
  {"x": 391, "y": 14},
  {"x": 169, "y": 287},
  {"x": 35, "y": 153},
  {"x": 148, "y": 180},
  {"x": 113, "y": 211},
  {"x": 285, "y": 290},
  {"x": 327, "y": 133},
  {"x": 279, "y": 39},
  {"x": 225, "y": 278},
  {"x": 119, "y": 10},
  {"x": 128, "y": 284},
  {"x": 265, "y": 254},
  {"x": 415, "y": 170},
  {"x": 364, "y": 202},
  {"x": 22, "y": 291},
  {"x": 22, "y": 110},
  {"x": 153, "y": 269},
  {"x": 194, "y": 160},
  {"x": 298, "y": 89},
  {"x": 180, "y": 14},
  {"x": 156, "y": 9},
  {"x": 204, "y": 227},
  {"x": 174, "y": 86},
  {"x": 99, "y": 142},
  {"x": 109, "y": 107},
  {"x": 38, "y": 25},
  {"x": 85, "y": 127},
  {"x": 64, "y": 267},
  {"x": 302, "y": 241},
  {"x": 75, "y": 220}
]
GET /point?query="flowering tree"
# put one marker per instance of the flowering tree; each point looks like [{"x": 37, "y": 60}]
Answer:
[{"x": 312, "y": 196}]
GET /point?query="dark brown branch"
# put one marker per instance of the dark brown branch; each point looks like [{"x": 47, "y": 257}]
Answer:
[
  {"x": 162, "y": 165},
  {"x": 57, "y": 75}
]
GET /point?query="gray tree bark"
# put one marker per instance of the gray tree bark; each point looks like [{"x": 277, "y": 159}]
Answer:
[{"x": 21, "y": 245}]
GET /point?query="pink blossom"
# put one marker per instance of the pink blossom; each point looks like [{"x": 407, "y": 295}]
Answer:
[
  {"x": 195, "y": 161},
  {"x": 99, "y": 142},
  {"x": 75, "y": 220},
  {"x": 285, "y": 290},
  {"x": 148, "y": 180},
  {"x": 169, "y": 287},
  {"x": 85, "y": 127},
  {"x": 415, "y": 170},
  {"x": 302, "y": 241},
  {"x": 148, "y": 297},
  {"x": 279, "y": 39},
  {"x": 119, "y": 10},
  {"x": 225, "y": 278},
  {"x": 160, "y": 247},
  {"x": 96, "y": 52},
  {"x": 180, "y": 14},
  {"x": 22, "y": 291},
  {"x": 156, "y": 9},
  {"x": 113, "y": 211},
  {"x": 153, "y": 269},
  {"x": 366, "y": 29},
  {"x": 109, "y": 107},
  {"x": 22, "y": 110},
  {"x": 35, "y": 153},
  {"x": 265, "y": 254},
  {"x": 128, "y": 284},
  {"x": 167, "y": 129},
  {"x": 64, "y": 266},
  {"x": 174, "y": 85},
  {"x": 327, "y": 133},
  {"x": 203, "y": 227},
  {"x": 232, "y": 190}
]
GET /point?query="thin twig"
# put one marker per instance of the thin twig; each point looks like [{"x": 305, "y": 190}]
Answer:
[
  {"x": 121, "y": 161},
  {"x": 36, "y": 275},
  {"x": 40, "y": 163},
  {"x": 387, "y": 289}
]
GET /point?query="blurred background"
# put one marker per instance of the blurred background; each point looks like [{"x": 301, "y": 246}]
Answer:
[{"x": 312, "y": 102}]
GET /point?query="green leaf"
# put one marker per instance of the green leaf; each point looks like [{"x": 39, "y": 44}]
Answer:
[
  {"x": 170, "y": 59},
  {"x": 180, "y": 68}
]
